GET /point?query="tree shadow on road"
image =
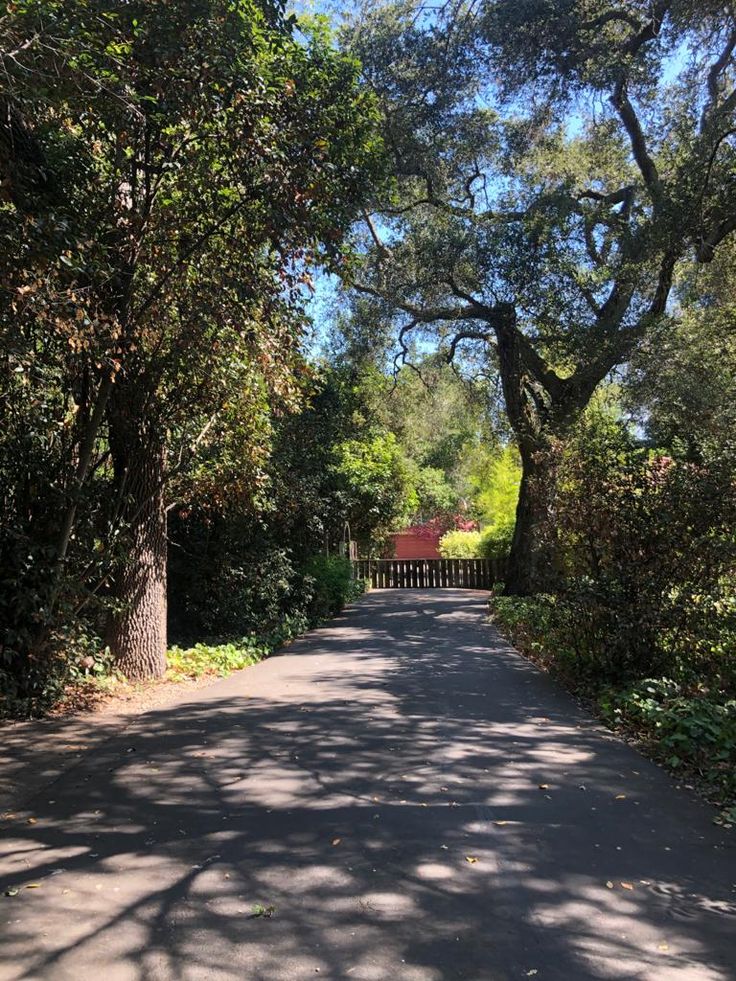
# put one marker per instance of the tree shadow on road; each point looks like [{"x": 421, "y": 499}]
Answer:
[{"x": 413, "y": 800}]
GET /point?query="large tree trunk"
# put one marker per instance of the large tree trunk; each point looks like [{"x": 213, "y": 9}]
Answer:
[
  {"x": 137, "y": 627},
  {"x": 531, "y": 566}
]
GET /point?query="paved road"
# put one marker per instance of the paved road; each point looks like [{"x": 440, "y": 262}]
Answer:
[{"x": 379, "y": 785}]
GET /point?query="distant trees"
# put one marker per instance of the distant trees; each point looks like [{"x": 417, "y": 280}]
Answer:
[{"x": 554, "y": 163}]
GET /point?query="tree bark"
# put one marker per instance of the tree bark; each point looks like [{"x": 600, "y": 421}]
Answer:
[
  {"x": 137, "y": 626},
  {"x": 531, "y": 564}
]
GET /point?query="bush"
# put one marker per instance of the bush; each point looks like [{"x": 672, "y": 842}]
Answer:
[
  {"x": 647, "y": 558},
  {"x": 693, "y": 730},
  {"x": 495, "y": 541},
  {"x": 330, "y": 583},
  {"x": 327, "y": 584},
  {"x": 460, "y": 545}
]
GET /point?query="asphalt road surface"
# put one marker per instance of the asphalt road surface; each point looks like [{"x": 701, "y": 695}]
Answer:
[{"x": 398, "y": 795}]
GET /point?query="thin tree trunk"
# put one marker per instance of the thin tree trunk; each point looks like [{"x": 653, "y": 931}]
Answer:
[{"x": 137, "y": 627}]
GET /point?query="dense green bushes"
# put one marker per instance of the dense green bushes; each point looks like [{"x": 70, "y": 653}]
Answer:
[
  {"x": 456, "y": 544},
  {"x": 329, "y": 585},
  {"x": 690, "y": 727},
  {"x": 647, "y": 556},
  {"x": 643, "y": 618},
  {"x": 493, "y": 542},
  {"x": 325, "y": 586}
]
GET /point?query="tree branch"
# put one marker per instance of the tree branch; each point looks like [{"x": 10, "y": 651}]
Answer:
[
  {"x": 383, "y": 249},
  {"x": 714, "y": 75},
  {"x": 621, "y": 102},
  {"x": 467, "y": 335},
  {"x": 425, "y": 315}
]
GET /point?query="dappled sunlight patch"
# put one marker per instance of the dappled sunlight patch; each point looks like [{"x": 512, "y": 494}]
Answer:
[
  {"x": 381, "y": 905},
  {"x": 435, "y": 871}
]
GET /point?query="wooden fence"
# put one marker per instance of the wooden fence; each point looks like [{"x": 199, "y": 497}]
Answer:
[{"x": 428, "y": 573}]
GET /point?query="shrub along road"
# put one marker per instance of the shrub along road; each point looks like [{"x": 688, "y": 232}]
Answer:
[{"x": 397, "y": 795}]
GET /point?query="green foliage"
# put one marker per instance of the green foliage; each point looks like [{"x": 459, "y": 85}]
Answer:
[
  {"x": 376, "y": 483},
  {"x": 496, "y": 477},
  {"x": 330, "y": 585},
  {"x": 681, "y": 385},
  {"x": 647, "y": 553},
  {"x": 433, "y": 492},
  {"x": 493, "y": 477},
  {"x": 222, "y": 659},
  {"x": 326, "y": 586},
  {"x": 495, "y": 540},
  {"x": 530, "y": 623},
  {"x": 460, "y": 545},
  {"x": 166, "y": 199},
  {"x": 693, "y": 730},
  {"x": 30, "y": 689},
  {"x": 228, "y": 578}
]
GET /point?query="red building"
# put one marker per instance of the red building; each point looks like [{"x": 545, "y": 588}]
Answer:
[
  {"x": 417, "y": 542},
  {"x": 422, "y": 541}
]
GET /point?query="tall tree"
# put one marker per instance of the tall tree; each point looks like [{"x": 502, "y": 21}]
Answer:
[
  {"x": 171, "y": 170},
  {"x": 554, "y": 160}
]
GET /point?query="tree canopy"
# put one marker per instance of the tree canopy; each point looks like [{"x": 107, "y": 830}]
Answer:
[
  {"x": 553, "y": 164},
  {"x": 171, "y": 173}
]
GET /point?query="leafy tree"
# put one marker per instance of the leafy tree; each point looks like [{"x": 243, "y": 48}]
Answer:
[
  {"x": 554, "y": 162},
  {"x": 434, "y": 492},
  {"x": 376, "y": 484},
  {"x": 170, "y": 171},
  {"x": 681, "y": 383}
]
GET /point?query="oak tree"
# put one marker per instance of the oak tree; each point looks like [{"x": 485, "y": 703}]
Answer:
[{"x": 554, "y": 162}]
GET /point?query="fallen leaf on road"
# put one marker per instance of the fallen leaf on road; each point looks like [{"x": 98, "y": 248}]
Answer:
[
  {"x": 266, "y": 911},
  {"x": 471, "y": 859},
  {"x": 626, "y": 885},
  {"x": 609, "y": 884},
  {"x": 336, "y": 841}
]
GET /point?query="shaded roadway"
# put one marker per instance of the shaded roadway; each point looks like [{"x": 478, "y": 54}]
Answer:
[{"x": 403, "y": 793}]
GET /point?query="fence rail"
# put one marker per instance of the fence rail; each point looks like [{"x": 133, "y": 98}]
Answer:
[{"x": 428, "y": 573}]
